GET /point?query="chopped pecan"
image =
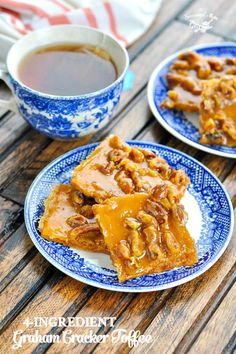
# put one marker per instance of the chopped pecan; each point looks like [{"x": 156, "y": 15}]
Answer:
[
  {"x": 126, "y": 185},
  {"x": 156, "y": 163},
  {"x": 132, "y": 223},
  {"x": 117, "y": 143},
  {"x": 145, "y": 218},
  {"x": 231, "y": 71},
  {"x": 137, "y": 244},
  {"x": 186, "y": 82},
  {"x": 136, "y": 180},
  {"x": 173, "y": 95},
  {"x": 179, "y": 177},
  {"x": 83, "y": 229},
  {"x": 227, "y": 90},
  {"x": 170, "y": 241},
  {"x": 128, "y": 165},
  {"x": 151, "y": 237},
  {"x": 156, "y": 210},
  {"x": 180, "y": 64},
  {"x": 148, "y": 154},
  {"x": 87, "y": 211},
  {"x": 203, "y": 70},
  {"x": 215, "y": 63},
  {"x": 116, "y": 155},
  {"x": 180, "y": 213},
  {"x": 136, "y": 155},
  {"x": 76, "y": 220},
  {"x": 230, "y": 61},
  {"x": 106, "y": 170},
  {"x": 191, "y": 57},
  {"x": 124, "y": 249},
  {"x": 159, "y": 192},
  {"x": 78, "y": 198}
]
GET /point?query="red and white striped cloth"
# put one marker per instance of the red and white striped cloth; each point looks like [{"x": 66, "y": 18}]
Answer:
[{"x": 124, "y": 19}]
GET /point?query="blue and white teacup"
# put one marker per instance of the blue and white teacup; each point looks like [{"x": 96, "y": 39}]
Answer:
[{"x": 65, "y": 117}]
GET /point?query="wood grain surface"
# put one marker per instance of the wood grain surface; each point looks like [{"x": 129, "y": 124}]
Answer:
[{"x": 197, "y": 317}]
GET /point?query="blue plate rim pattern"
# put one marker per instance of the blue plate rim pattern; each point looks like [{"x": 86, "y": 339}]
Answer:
[
  {"x": 158, "y": 116},
  {"x": 114, "y": 287}
]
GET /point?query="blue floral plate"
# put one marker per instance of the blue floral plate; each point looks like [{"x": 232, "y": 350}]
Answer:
[
  {"x": 183, "y": 125},
  {"x": 210, "y": 223}
]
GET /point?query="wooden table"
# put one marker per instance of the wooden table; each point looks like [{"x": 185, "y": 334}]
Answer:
[{"x": 197, "y": 317}]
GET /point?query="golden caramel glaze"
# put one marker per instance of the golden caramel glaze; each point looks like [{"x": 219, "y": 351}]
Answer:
[
  {"x": 145, "y": 234},
  {"x": 185, "y": 75},
  {"x": 65, "y": 220},
  {"x": 218, "y": 111},
  {"x": 114, "y": 168}
]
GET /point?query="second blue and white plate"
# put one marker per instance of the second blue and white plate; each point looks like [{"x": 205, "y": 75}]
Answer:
[
  {"x": 184, "y": 125},
  {"x": 210, "y": 223}
]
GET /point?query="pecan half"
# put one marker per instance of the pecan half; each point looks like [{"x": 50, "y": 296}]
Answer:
[
  {"x": 137, "y": 244},
  {"x": 170, "y": 241},
  {"x": 126, "y": 185},
  {"x": 76, "y": 220},
  {"x": 159, "y": 192},
  {"x": 132, "y": 223},
  {"x": 145, "y": 218},
  {"x": 180, "y": 213},
  {"x": 148, "y": 154},
  {"x": 156, "y": 210},
  {"x": 87, "y": 211},
  {"x": 107, "y": 169},
  {"x": 116, "y": 155},
  {"x": 136, "y": 155},
  {"x": 151, "y": 237},
  {"x": 78, "y": 198},
  {"x": 124, "y": 249},
  {"x": 83, "y": 229}
]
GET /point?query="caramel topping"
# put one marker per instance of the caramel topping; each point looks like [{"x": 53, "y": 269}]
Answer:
[
  {"x": 143, "y": 236},
  {"x": 114, "y": 168},
  {"x": 63, "y": 221},
  {"x": 185, "y": 75},
  {"x": 218, "y": 112}
]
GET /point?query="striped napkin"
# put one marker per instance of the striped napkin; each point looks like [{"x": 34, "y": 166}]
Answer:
[{"x": 124, "y": 19}]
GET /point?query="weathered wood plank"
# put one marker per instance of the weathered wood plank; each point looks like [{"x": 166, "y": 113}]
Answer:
[
  {"x": 135, "y": 116},
  {"x": 166, "y": 43},
  {"x": 20, "y": 155},
  {"x": 12, "y": 254},
  {"x": 221, "y": 327},
  {"x": 139, "y": 313},
  {"x": 16, "y": 190},
  {"x": 204, "y": 317},
  {"x": 10, "y": 216},
  {"x": 58, "y": 297},
  {"x": 5, "y": 94},
  {"x": 230, "y": 185},
  {"x": 12, "y": 126},
  {"x": 168, "y": 11},
  {"x": 101, "y": 304},
  {"x": 22, "y": 287}
]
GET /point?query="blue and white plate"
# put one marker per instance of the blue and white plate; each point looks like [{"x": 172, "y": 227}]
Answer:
[
  {"x": 210, "y": 223},
  {"x": 183, "y": 125}
]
